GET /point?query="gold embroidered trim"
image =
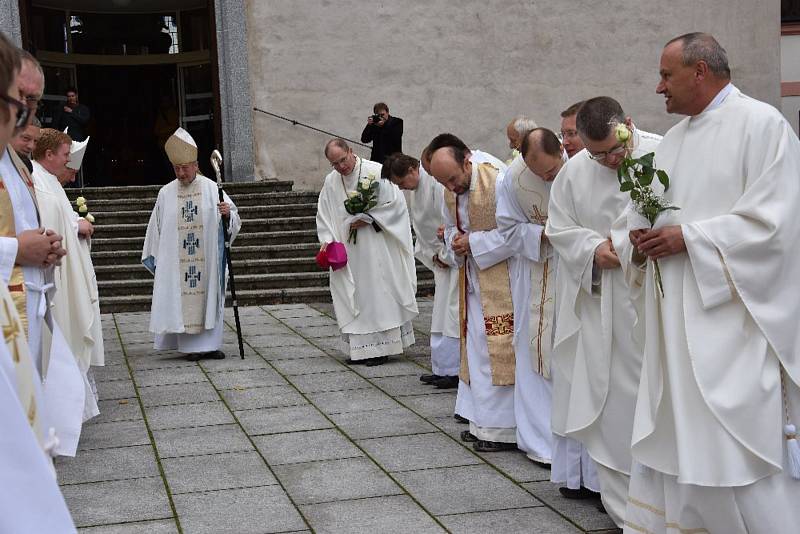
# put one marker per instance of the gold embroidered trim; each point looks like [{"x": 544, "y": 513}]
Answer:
[
  {"x": 676, "y": 526},
  {"x": 499, "y": 325},
  {"x": 648, "y": 507}
]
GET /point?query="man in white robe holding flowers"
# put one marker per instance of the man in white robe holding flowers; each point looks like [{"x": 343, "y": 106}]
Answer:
[
  {"x": 721, "y": 367},
  {"x": 594, "y": 348},
  {"x": 374, "y": 294}
]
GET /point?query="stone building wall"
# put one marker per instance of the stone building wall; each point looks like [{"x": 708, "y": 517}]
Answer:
[{"x": 468, "y": 67}]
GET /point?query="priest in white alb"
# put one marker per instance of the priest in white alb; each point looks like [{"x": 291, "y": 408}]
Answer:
[
  {"x": 572, "y": 465},
  {"x": 521, "y": 215},
  {"x": 718, "y": 404},
  {"x": 184, "y": 249},
  {"x": 425, "y": 198},
  {"x": 30, "y": 500},
  {"x": 374, "y": 294},
  {"x": 486, "y": 311},
  {"x": 594, "y": 347},
  {"x": 76, "y": 305}
]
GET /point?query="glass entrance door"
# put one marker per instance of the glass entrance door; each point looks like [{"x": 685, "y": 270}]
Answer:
[{"x": 197, "y": 109}]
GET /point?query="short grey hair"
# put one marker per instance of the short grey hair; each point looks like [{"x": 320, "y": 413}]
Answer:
[
  {"x": 35, "y": 122},
  {"x": 698, "y": 46},
  {"x": 523, "y": 125}
]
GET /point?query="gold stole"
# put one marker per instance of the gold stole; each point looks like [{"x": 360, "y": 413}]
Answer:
[
  {"x": 495, "y": 284},
  {"x": 16, "y": 284},
  {"x": 14, "y": 338},
  {"x": 533, "y": 196},
  {"x": 191, "y": 247}
]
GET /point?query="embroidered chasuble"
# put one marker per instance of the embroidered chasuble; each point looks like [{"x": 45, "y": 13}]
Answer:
[
  {"x": 14, "y": 338},
  {"x": 192, "y": 257},
  {"x": 495, "y": 284},
  {"x": 532, "y": 195}
]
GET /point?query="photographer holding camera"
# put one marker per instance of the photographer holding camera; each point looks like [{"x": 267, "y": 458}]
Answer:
[{"x": 385, "y": 132}]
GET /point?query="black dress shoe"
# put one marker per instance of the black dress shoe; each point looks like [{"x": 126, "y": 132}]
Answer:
[
  {"x": 372, "y": 362},
  {"x": 194, "y": 356},
  {"x": 578, "y": 494},
  {"x": 216, "y": 355},
  {"x": 429, "y": 379},
  {"x": 351, "y": 361},
  {"x": 493, "y": 446},
  {"x": 468, "y": 437},
  {"x": 460, "y": 420},
  {"x": 446, "y": 382}
]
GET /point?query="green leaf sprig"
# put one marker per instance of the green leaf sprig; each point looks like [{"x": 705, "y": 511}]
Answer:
[{"x": 636, "y": 177}]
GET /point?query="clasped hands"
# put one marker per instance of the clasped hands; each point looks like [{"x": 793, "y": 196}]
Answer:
[
  {"x": 658, "y": 243},
  {"x": 461, "y": 244},
  {"x": 39, "y": 248}
]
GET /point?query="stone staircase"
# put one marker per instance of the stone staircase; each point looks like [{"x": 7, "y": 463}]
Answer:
[{"x": 273, "y": 255}]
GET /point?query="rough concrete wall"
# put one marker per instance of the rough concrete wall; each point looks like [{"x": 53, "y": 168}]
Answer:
[{"x": 468, "y": 67}]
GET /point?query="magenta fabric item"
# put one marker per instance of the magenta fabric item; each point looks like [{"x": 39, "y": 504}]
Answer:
[{"x": 337, "y": 255}]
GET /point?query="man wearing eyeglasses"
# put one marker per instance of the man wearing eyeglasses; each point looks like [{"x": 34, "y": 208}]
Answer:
[
  {"x": 593, "y": 347},
  {"x": 569, "y": 134},
  {"x": 25, "y": 141},
  {"x": 374, "y": 294}
]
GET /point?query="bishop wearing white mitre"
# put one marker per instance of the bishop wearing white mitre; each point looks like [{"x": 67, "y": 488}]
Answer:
[{"x": 184, "y": 249}]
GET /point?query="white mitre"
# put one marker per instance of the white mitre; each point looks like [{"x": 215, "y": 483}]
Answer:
[
  {"x": 76, "y": 153},
  {"x": 181, "y": 148}
]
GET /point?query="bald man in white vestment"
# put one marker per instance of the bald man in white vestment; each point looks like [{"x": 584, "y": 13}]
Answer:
[
  {"x": 721, "y": 363},
  {"x": 485, "y": 307},
  {"x": 594, "y": 347},
  {"x": 521, "y": 215},
  {"x": 374, "y": 294}
]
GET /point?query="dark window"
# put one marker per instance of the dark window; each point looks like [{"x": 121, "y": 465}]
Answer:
[
  {"x": 123, "y": 34},
  {"x": 49, "y": 29},
  {"x": 790, "y": 10}
]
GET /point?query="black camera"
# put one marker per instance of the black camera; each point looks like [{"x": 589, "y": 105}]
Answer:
[{"x": 377, "y": 118}]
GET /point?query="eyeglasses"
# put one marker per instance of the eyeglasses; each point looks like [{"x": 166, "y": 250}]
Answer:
[
  {"x": 602, "y": 156},
  {"x": 567, "y": 134},
  {"x": 22, "y": 110},
  {"x": 339, "y": 162},
  {"x": 32, "y": 101}
]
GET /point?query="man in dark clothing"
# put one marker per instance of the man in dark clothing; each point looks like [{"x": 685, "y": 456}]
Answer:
[
  {"x": 385, "y": 132},
  {"x": 74, "y": 116}
]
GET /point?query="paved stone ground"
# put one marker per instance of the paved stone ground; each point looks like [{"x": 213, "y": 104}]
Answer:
[{"x": 292, "y": 440}]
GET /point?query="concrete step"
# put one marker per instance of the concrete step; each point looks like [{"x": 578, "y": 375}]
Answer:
[
  {"x": 246, "y": 213},
  {"x": 102, "y": 205},
  {"x": 267, "y": 224},
  {"x": 120, "y": 304},
  {"x": 240, "y": 252},
  {"x": 241, "y": 267},
  {"x": 144, "y": 285},
  {"x": 244, "y": 239},
  {"x": 141, "y": 191}
]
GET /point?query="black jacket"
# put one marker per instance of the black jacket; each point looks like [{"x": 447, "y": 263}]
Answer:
[{"x": 386, "y": 139}]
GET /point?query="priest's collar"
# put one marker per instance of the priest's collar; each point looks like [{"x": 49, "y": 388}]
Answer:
[{"x": 720, "y": 98}]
